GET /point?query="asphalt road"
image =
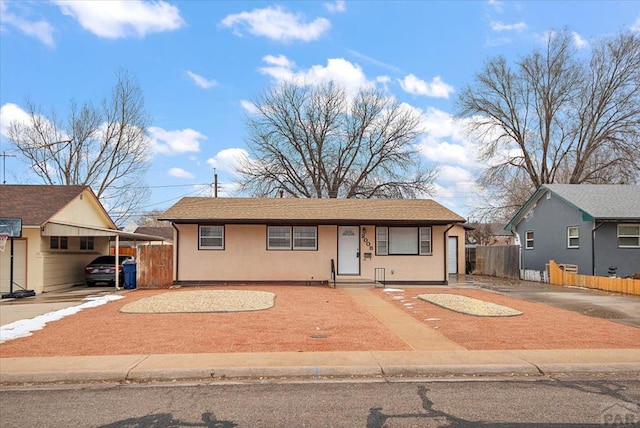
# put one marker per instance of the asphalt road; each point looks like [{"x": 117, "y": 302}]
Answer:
[{"x": 514, "y": 403}]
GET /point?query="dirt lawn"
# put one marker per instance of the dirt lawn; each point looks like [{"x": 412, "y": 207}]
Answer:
[{"x": 310, "y": 319}]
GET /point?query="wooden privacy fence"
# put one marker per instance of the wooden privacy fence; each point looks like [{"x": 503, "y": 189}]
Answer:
[
  {"x": 154, "y": 266},
  {"x": 559, "y": 276},
  {"x": 497, "y": 260}
]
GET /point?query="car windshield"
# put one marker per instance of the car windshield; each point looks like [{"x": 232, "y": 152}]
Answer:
[{"x": 108, "y": 260}]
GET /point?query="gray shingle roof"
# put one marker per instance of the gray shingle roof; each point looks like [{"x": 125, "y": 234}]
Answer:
[
  {"x": 269, "y": 210},
  {"x": 601, "y": 201}
]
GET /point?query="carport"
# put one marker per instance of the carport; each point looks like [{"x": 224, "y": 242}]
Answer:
[{"x": 57, "y": 228}]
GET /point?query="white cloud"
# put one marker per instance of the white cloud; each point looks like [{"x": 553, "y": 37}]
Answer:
[
  {"x": 500, "y": 26},
  {"x": 578, "y": 41},
  {"x": 10, "y": 113},
  {"x": 200, "y": 81},
  {"x": 276, "y": 23},
  {"x": 175, "y": 142},
  {"x": 336, "y": 6},
  {"x": 454, "y": 174},
  {"x": 496, "y": 4},
  {"x": 346, "y": 74},
  {"x": 228, "y": 160},
  {"x": 445, "y": 139},
  {"x": 180, "y": 173},
  {"x": 114, "y": 19},
  {"x": 280, "y": 61},
  {"x": 40, "y": 29},
  {"x": 248, "y": 106},
  {"x": 635, "y": 27},
  {"x": 436, "y": 88}
]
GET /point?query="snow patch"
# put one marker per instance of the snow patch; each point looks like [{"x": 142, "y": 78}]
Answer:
[{"x": 23, "y": 328}]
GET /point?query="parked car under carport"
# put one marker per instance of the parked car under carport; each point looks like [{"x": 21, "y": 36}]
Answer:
[{"x": 102, "y": 270}]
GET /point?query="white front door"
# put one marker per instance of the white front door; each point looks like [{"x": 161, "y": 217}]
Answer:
[
  {"x": 452, "y": 255},
  {"x": 348, "y": 250}
]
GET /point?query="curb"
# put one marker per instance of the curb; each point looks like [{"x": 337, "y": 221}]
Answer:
[{"x": 123, "y": 368}]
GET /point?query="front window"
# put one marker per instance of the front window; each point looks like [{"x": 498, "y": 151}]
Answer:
[
  {"x": 528, "y": 239},
  {"x": 573, "y": 237},
  {"x": 403, "y": 240},
  {"x": 278, "y": 238},
  {"x": 86, "y": 243},
  {"x": 305, "y": 238},
  {"x": 59, "y": 243},
  {"x": 292, "y": 237},
  {"x": 211, "y": 238},
  {"x": 629, "y": 235}
]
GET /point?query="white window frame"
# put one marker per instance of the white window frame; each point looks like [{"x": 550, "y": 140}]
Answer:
[
  {"x": 424, "y": 239},
  {"x": 528, "y": 240},
  {"x": 298, "y": 241},
  {"x": 627, "y": 236},
  {"x": 575, "y": 237},
  {"x": 293, "y": 242},
  {"x": 218, "y": 234},
  {"x": 382, "y": 240},
  {"x": 271, "y": 240},
  {"x": 422, "y": 236}
]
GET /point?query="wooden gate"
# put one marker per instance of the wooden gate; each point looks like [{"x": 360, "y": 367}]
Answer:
[
  {"x": 154, "y": 266},
  {"x": 497, "y": 260}
]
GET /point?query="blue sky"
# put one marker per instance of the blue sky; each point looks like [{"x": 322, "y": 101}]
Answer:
[{"x": 200, "y": 63}]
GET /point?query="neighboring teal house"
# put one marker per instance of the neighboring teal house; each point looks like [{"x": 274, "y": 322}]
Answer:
[{"x": 593, "y": 226}]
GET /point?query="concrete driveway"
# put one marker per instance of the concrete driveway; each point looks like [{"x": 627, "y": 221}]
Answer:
[
  {"x": 12, "y": 310},
  {"x": 624, "y": 309}
]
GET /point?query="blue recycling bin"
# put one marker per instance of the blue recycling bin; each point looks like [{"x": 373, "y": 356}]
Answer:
[{"x": 129, "y": 268}]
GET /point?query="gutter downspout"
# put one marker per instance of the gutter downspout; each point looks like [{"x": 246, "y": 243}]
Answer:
[
  {"x": 593, "y": 247},
  {"x": 177, "y": 247},
  {"x": 446, "y": 258}
]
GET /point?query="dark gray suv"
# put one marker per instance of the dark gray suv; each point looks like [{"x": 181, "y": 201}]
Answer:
[{"x": 103, "y": 269}]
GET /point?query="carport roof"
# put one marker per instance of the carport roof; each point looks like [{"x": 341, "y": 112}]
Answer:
[{"x": 310, "y": 210}]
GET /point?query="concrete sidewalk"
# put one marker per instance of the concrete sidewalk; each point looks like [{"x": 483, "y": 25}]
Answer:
[
  {"x": 139, "y": 368},
  {"x": 432, "y": 355}
]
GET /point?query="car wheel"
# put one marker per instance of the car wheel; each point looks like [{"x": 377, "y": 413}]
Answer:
[{"x": 90, "y": 283}]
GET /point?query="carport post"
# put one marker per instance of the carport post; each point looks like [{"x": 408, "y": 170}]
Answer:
[{"x": 117, "y": 281}]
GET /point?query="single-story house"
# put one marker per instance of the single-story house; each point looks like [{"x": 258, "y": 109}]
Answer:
[
  {"x": 304, "y": 240},
  {"x": 63, "y": 229},
  {"x": 593, "y": 226}
]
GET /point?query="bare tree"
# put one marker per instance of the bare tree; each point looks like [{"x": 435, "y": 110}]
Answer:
[
  {"x": 103, "y": 147},
  {"x": 150, "y": 219},
  {"x": 554, "y": 117},
  {"x": 316, "y": 141}
]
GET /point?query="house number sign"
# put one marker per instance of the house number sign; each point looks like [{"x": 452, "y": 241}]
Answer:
[{"x": 365, "y": 239}]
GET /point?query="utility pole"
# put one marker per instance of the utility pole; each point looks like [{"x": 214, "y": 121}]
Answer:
[
  {"x": 4, "y": 165},
  {"x": 215, "y": 183}
]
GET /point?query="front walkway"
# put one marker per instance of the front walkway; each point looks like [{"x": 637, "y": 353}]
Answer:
[{"x": 416, "y": 334}]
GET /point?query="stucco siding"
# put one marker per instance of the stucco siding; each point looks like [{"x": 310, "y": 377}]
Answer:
[{"x": 245, "y": 257}]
